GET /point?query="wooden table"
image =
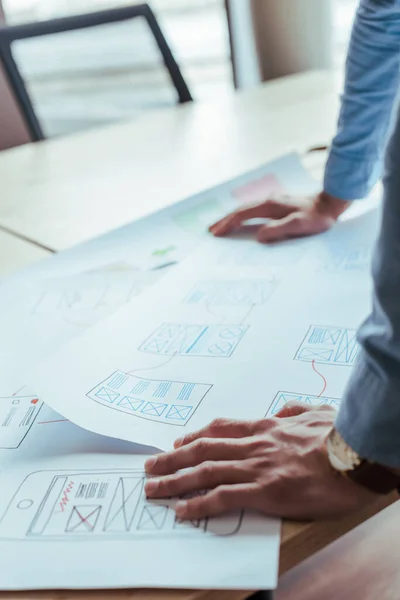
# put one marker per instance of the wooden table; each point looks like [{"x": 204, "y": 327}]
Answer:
[
  {"x": 362, "y": 565},
  {"x": 61, "y": 192}
]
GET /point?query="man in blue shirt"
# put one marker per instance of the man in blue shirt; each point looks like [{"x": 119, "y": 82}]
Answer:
[{"x": 313, "y": 462}]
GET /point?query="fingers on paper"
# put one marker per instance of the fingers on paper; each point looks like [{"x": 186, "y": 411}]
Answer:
[
  {"x": 270, "y": 209},
  {"x": 220, "y": 428},
  {"x": 293, "y": 409},
  {"x": 194, "y": 454},
  {"x": 296, "y": 224},
  {"x": 206, "y": 476},
  {"x": 222, "y": 499}
]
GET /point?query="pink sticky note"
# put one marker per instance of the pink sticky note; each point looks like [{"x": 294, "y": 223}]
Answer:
[{"x": 259, "y": 189}]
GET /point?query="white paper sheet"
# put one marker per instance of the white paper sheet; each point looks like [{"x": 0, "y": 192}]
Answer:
[
  {"x": 164, "y": 364},
  {"x": 50, "y": 303},
  {"x": 237, "y": 330},
  {"x": 83, "y": 521},
  {"x": 47, "y": 462}
]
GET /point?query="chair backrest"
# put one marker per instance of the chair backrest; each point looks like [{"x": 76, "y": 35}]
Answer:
[{"x": 13, "y": 130}]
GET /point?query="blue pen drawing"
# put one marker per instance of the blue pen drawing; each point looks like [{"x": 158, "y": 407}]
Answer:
[
  {"x": 260, "y": 255},
  {"x": 246, "y": 292},
  {"x": 329, "y": 345},
  {"x": 282, "y": 398},
  {"x": 342, "y": 257},
  {"x": 217, "y": 341},
  {"x": 172, "y": 402}
]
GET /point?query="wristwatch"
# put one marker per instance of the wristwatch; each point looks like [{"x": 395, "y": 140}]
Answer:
[{"x": 345, "y": 460}]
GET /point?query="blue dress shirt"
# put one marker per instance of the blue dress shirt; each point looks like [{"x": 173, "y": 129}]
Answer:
[{"x": 369, "y": 417}]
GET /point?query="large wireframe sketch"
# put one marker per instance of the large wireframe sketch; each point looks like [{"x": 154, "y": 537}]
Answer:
[
  {"x": 244, "y": 292},
  {"x": 282, "y": 398},
  {"x": 102, "y": 290},
  {"x": 71, "y": 300},
  {"x": 215, "y": 341},
  {"x": 329, "y": 345},
  {"x": 164, "y": 401},
  {"x": 259, "y": 255},
  {"x": 339, "y": 258},
  {"x": 17, "y": 415},
  {"x": 84, "y": 505},
  {"x": 196, "y": 219},
  {"x": 259, "y": 189}
]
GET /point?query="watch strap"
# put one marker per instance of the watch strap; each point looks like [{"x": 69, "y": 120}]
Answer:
[{"x": 375, "y": 477}]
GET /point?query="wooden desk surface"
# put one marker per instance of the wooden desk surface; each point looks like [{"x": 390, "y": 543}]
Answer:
[
  {"x": 64, "y": 191},
  {"x": 362, "y": 565}
]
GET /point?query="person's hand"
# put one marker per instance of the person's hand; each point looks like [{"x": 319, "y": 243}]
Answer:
[
  {"x": 277, "y": 465},
  {"x": 287, "y": 218}
]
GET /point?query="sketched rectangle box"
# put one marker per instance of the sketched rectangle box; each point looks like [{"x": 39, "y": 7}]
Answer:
[
  {"x": 124, "y": 504},
  {"x": 282, "y": 398},
  {"x": 107, "y": 395},
  {"x": 162, "y": 401},
  {"x": 217, "y": 341},
  {"x": 329, "y": 345},
  {"x": 153, "y": 517},
  {"x": 247, "y": 292},
  {"x": 179, "y": 412},
  {"x": 17, "y": 415},
  {"x": 154, "y": 409},
  {"x": 130, "y": 403},
  {"x": 83, "y": 519},
  {"x": 257, "y": 190}
]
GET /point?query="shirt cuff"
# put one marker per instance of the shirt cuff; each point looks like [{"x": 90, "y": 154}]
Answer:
[
  {"x": 350, "y": 178},
  {"x": 369, "y": 415}
]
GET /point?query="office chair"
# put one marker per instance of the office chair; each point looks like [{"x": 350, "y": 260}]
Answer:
[
  {"x": 10, "y": 34},
  {"x": 13, "y": 130}
]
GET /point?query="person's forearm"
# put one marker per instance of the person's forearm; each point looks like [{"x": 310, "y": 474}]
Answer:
[
  {"x": 326, "y": 204},
  {"x": 371, "y": 84},
  {"x": 369, "y": 417}
]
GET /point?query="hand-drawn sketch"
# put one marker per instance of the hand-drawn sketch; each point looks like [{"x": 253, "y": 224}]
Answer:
[
  {"x": 259, "y": 189},
  {"x": 78, "y": 299},
  {"x": 216, "y": 341},
  {"x": 104, "y": 504},
  {"x": 197, "y": 219},
  {"x": 172, "y": 402},
  {"x": 342, "y": 257},
  {"x": 258, "y": 255},
  {"x": 329, "y": 345},
  {"x": 93, "y": 291},
  {"x": 282, "y": 398},
  {"x": 243, "y": 292},
  {"x": 17, "y": 415}
]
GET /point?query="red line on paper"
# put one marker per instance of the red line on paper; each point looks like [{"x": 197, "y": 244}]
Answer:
[
  {"x": 65, "y": 497},
  {"x": 323, "y": 378},
  {"x": 85, "y": 520},
  {"x": 19, "y": 390}
]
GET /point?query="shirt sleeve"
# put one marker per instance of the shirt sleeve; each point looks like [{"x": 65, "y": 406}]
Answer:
[
  {"x": 371, "y": 84},
  {"x": 369, "y": 416}
]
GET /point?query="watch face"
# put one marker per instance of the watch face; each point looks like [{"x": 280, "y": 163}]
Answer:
[{"x": 342, "y": 451}]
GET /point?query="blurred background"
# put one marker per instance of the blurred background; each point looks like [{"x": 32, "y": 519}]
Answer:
[{"x": 82, "y": 79}]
